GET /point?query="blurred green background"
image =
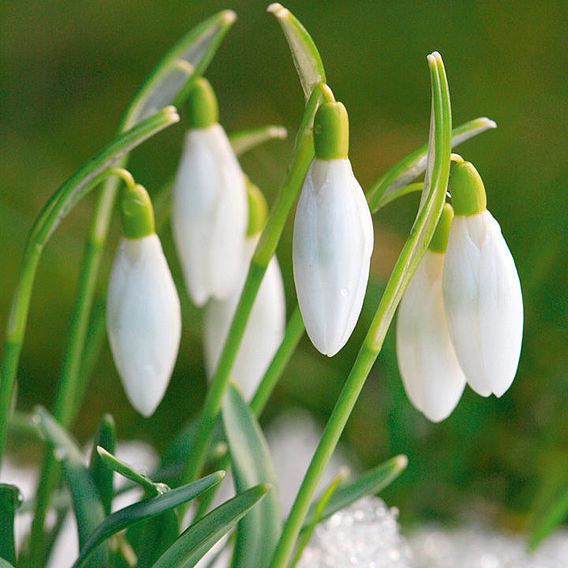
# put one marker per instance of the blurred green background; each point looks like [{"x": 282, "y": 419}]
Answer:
[{"x": 69, "y": 69}]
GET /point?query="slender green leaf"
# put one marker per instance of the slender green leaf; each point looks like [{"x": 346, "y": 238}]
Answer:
[
  {"x": 102, "y": 475},
  {"x": 87, "y": 505},
  {"x": 305, "y": 54},
  {"x": 114, "y": 464},
  {"x": 172, "y": 78},
  {"x": 244, "y": 140},
  {"x": 86, "y": 178},
  {"x": 370, "y": 483},
  {"x": 432, "y": 202},
  {"x": 198, "y": 539},
  {"x": 145, "y": 510},
  {"x": 413, "y": 165},
  {"x": 400, "y": 192},
  {"x": 319, "y": 509},
  {"x": 152, "y": 538},
  {"x": 5, "y": 564},
  {"x": 10, "y": 500},
  {"x": 258, "y": 532}
]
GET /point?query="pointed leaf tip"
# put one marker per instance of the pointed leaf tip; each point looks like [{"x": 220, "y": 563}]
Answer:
[
  {"x": 277, "y": 9},
  {"x": 229, "y": 16}
]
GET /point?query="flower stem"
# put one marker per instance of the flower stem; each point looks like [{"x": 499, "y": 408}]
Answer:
[
  {"x": 294, "y": 332},
  {"x": 265, "y": 249},
  {"x": 412, "y": 252}
]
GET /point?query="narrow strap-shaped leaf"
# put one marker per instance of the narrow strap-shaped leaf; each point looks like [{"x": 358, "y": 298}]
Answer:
[
  {"x": 102, "y": 475},
  {"x": 414, "y": 165},
  {"x": 72, "y": 191},
  {"x": 370, "y": 483},
  {"x": 10, "y": 499},
  {"x": 244, "y": 140},
  {"x": 186, "y": 61},
  {"x": 258, "y": 532},
  {"x": 144, "y": 510},
  {"x": 114, "y": 464},
  {"x": 433, "y": 198},
  {"x": 319, "y": 508},
  {"x": 198, "y": 539},
  {"x": 86, "y": 503},
  {"x": 305, "y": 54}
]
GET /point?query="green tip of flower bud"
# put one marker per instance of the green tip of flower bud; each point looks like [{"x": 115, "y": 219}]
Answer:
[
  {"x": 331, "y": 132},
  {"x": 467, "y": 189},
  {"x": 439, "y": 242},
  {"x": 202, "y": 103},
  {"x": 257, "y": 209},
  {"x": 136, "y": 212}
]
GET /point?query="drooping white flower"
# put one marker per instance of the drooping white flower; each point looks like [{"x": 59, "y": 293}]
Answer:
[
  {"x": 143, "y": 320},
  {"x": 333, "y": 241},
  {"x": 482, "y": 291},
  {"x": 430, "y": 370},
  {"x": 209, "y": 209},
  {"x": 265, "y": 329}
]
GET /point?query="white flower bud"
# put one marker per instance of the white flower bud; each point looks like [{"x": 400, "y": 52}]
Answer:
[
  {"x": 264, "y": 331},
  {"x": 143, "y": 321},
  {"x": 209, "y": 214},
  {"x": 430, "y": 371},
  {"x": 484, "y": 306},
  {"x": 333, "y": 243}
]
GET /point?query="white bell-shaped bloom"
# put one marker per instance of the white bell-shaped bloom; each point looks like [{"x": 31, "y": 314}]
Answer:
[
  {"x": 430, "y": 371},
  {"x": 209, "y": 214},
  {"x": 264, "y": 331},
  {"x": 484, "y": 306},
  {"x": 143, "y": 321},
  {"x": 333, "y": 243}
]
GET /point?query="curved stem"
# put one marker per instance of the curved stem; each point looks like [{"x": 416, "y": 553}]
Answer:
[
  {"x": 265, "y": 249},
  {"x": 58, "y": 206},
  {"x": 420, "y": 235}
]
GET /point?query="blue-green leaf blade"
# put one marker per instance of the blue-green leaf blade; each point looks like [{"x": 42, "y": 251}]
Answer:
[
  {"x": 414, "y": 165},
  {"x": 145, "y": 510},
  {"x": 305, "y": 54},
  {"x": 102, "y": 475},
  {"x": 370, "y": 483},
  {"x": 244, "y": 140},
  {"x": 198, "y": 539},
  {"x": 87, "y": 505},
  {"x": 10, "y": 500},
  {"x": 258, "y": 532},
  {"x": 175, "y": 73}
]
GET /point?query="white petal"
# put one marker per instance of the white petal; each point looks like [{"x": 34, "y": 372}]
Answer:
[
  {"x": 431, "y": 374},
  {"x": 482, "y": 294},
  {"x": 333, "y": 243},
  {"x": 143, "y": 321},
  {"x": 209, "y": 214},
  {"x": 264, "y": 331}
]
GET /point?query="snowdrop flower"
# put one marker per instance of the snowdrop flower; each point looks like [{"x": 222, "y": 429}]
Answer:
[
  {"x": 482, "y": 292},
  {"x": 430, "y": 370},
  {"x": 333, "y": 237},
  {"x": 143, "y": 310},
  {"x": 209, "y": 210},
  {"x": 265, "y": 328}
]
